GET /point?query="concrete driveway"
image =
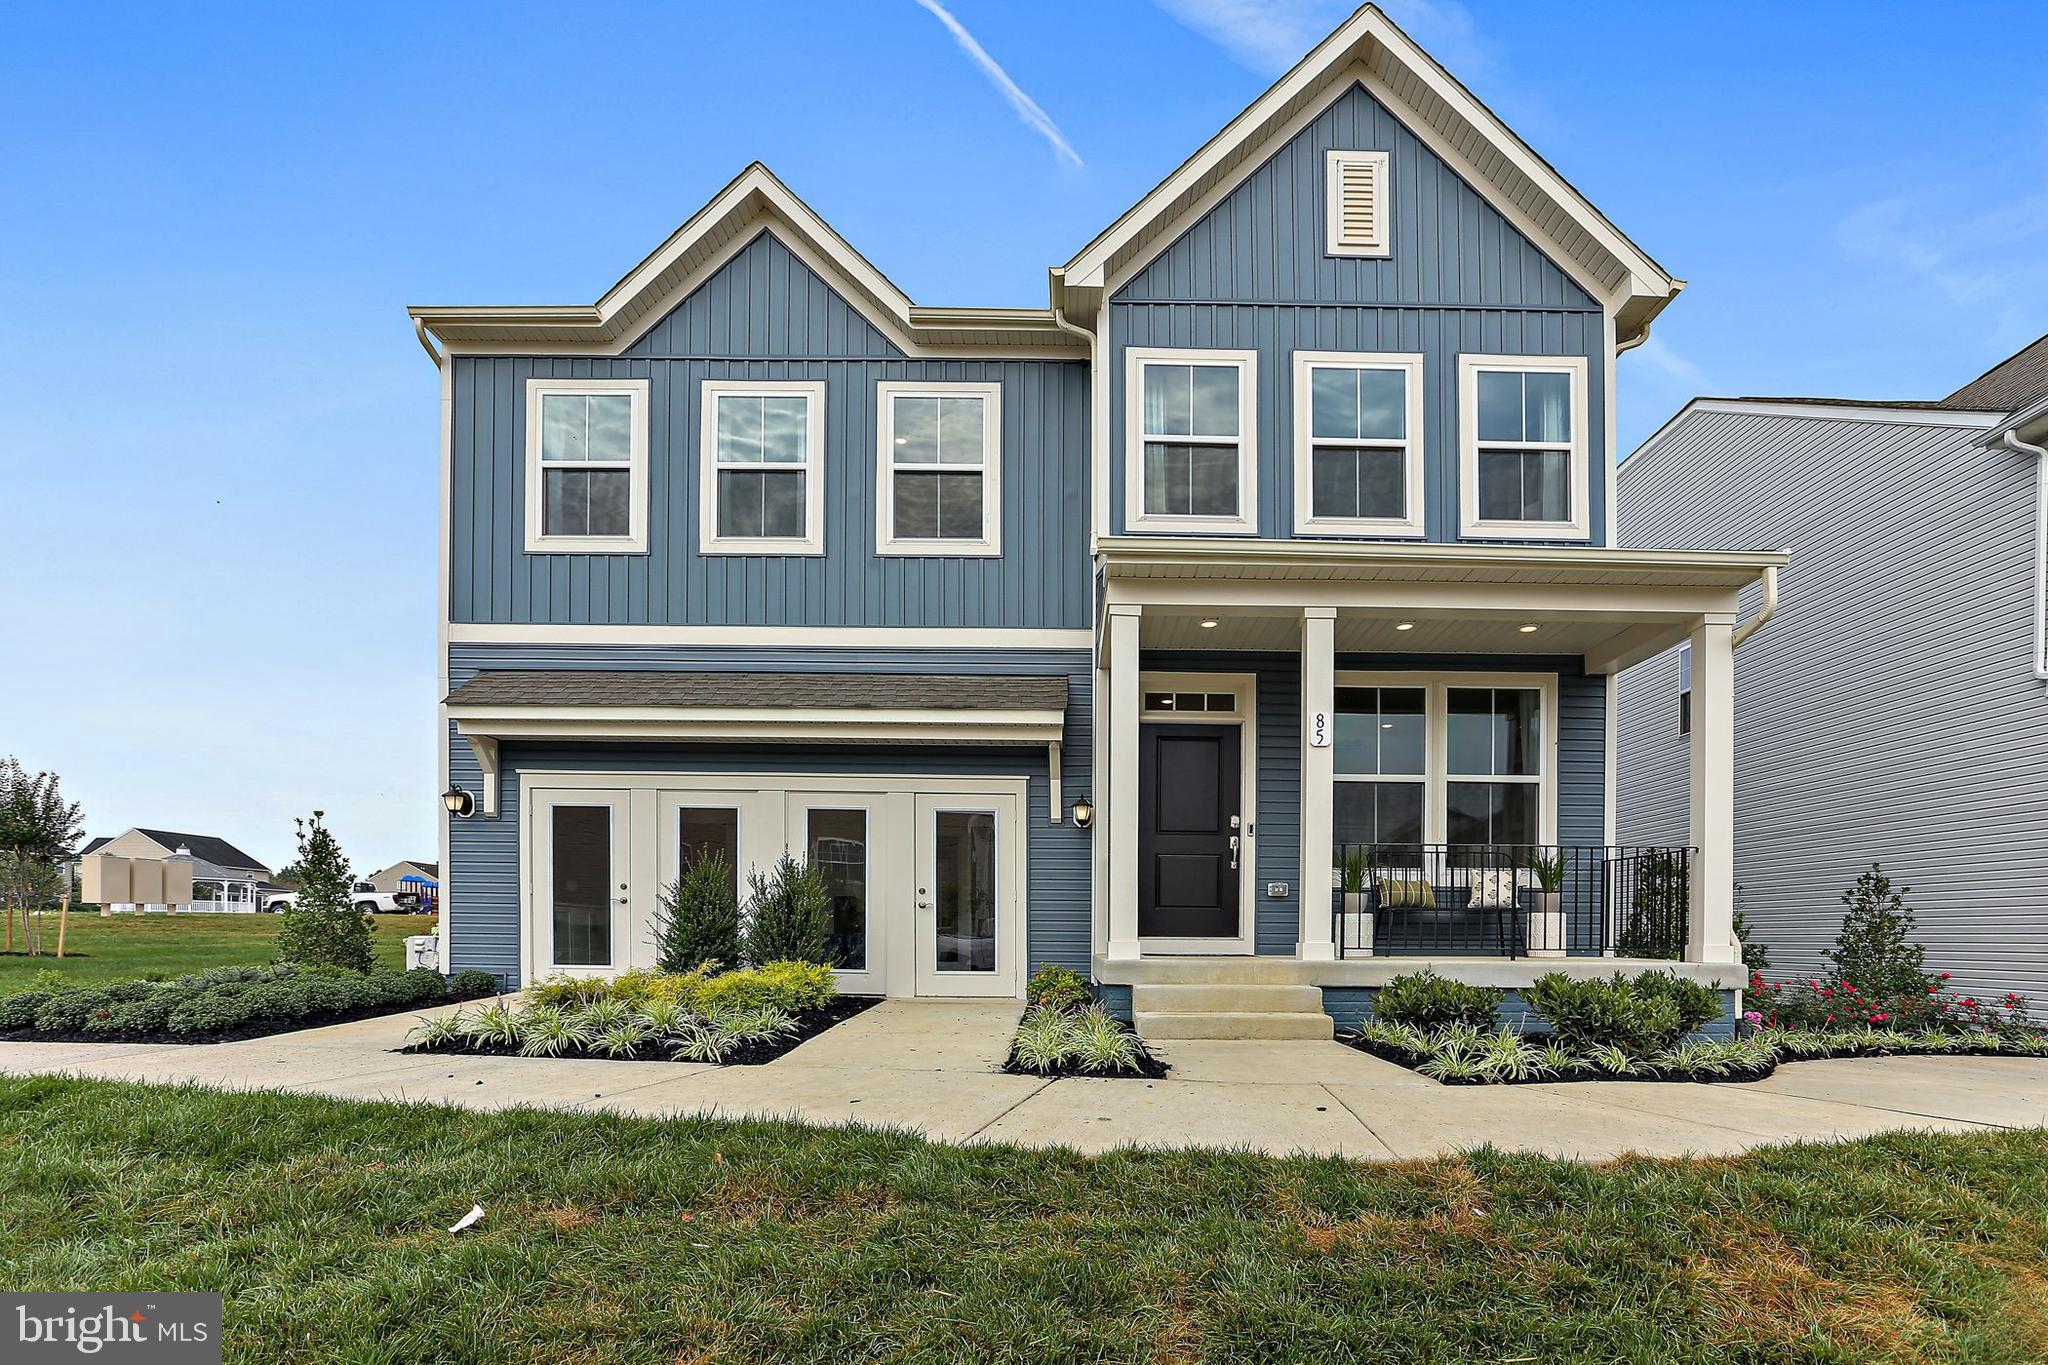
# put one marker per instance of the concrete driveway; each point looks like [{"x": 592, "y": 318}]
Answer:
[{"x": 931, "y": 1068}]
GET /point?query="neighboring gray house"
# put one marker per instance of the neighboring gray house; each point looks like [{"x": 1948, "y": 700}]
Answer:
[
  {"x": 223, "y": 877},
  {"x": 1894, "y": 709},
  {"x": 1095, "y": 633}
]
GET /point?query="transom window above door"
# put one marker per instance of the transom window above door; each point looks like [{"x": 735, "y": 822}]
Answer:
[
  {"x": 1191, "y": 461},
  {"x": 586, "y": 466},
  {"x": 1523, "y": 464},
  {"x": 940, "y": 469},
  {"x": 1358, "y": 443},
  {"x": 762, "y": 489}
]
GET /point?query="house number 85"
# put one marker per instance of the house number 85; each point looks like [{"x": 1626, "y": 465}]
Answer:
[{"x": 1319, "y": 730}]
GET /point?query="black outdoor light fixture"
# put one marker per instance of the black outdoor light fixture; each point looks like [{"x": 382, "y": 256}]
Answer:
[
  {"x": 460, "y": 803},
  {"x": 1083, "y": 812}
]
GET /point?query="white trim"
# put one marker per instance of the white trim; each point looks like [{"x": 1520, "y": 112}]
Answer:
[
  {"x": 823, "y": 637},
  {"x": 1578, "y": 472},
  {"x": 812, "y": 541},
  {"x": 1377, "y": 241},
  {"x": 990, "y": 542},
  {"x": 1246, "y": 522},
  {"x": 1436, "y": 774},
  {"x": 1245, "y": 688},
  {"x": 760, "y": 723},
  {"x": 1410, "y": 366},
  {"x": 635, "y": 539}
]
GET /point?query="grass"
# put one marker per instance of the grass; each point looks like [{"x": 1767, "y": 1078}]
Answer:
[
  {"x": 123, "y": 947},
  {"x": 611, "y": 1239}
]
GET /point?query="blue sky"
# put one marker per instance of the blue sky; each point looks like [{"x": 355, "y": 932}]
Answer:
[{"x": 217, "y": 463}]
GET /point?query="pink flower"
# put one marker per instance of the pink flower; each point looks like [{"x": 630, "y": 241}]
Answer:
[{"x": 1946, "y": 975}]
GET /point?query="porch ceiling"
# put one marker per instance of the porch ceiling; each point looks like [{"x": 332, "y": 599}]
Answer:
[
  {"x": 1339, "y": 562},
  {"x": 1358, "y": 634}
]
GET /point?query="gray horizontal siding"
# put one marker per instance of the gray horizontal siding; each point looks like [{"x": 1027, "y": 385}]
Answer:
[
  {"x": 1889, "y": 713},
  {"x": 766, "y": 317},
  {"x": 1252, "y": 274},
  {"x": 483, "y": 885}
]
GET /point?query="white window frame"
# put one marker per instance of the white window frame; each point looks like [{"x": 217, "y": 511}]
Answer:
[
  {"x": 634, "y": 542},
  {"x": 1333, "y": 204},
  {"x": 1246, "y": 522},
  {"x": 1410, "y": 366},
  {"x": 812, "y": 541},
  {"x": 1579, "y": 483},
  {"x": 990, "y": 542},
  {"x": 1436, "y": 773},
  {"x": 1685, "y": 688}
]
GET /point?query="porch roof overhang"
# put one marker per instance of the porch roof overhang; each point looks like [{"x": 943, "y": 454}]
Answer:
[
  {"x": 1615, "y": 608},
  {"x": 829, "y": 708}
]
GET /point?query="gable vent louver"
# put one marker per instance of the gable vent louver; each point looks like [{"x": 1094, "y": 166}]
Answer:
[{"x": 1357, "y": 189}]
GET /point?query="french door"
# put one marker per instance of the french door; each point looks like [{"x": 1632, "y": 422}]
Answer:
[
  {"x": 581, "y": 841},
  {"x": 966, "y": 895}
]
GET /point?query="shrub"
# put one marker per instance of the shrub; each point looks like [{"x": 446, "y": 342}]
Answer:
[
  {"x": 789, "y": 913},
  {"x": 472, "y": 985},
  {"x": 1058, "y": 988},
  {"x": 791, "y": 987},
  {"x": 1697, "y": 1005},
  {"x": 1087, "y": 1039},
  {"x": 18, "y": 1011},
  {"x": 1429, "y": 1002},
  {"x": 1874, "y": 951},
  {"x": 699, "y": 916},
  {"x": 323, "y": 927},
  {"x": 1590, "y": 1014},
  {"x": 570, "y": 991}
]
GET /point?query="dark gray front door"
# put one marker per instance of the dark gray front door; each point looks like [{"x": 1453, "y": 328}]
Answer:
[{"x": 1188, "y": 792}]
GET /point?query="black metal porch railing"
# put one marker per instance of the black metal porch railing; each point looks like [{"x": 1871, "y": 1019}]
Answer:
[{"x": 1491, "y": 900}]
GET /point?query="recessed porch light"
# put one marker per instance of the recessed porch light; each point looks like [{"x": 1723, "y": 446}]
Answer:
[
  {"x": 1527, "y": 630},
  {"x": 1208, "y": 623},
  {"x": 1404, "y": 625}
]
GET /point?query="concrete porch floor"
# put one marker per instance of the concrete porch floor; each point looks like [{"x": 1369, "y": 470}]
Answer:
[{"x": 931, "y": 1068}]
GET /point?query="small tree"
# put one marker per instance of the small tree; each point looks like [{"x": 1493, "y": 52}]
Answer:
[
  {"x": 38, "y": 830},
  {"x": 699, "y": 919},
  {"x": 789, "y": 913},
  {"x": 1875, "y": 951},
  {"x": 1756, "y": 957},
  {"x": 323, "y": 928}
]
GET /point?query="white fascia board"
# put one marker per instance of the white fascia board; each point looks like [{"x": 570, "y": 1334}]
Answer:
[{"x": 740, "y": 723}]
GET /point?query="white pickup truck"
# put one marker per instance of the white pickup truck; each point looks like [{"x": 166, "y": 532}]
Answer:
[{"x": 365, "y": 897}]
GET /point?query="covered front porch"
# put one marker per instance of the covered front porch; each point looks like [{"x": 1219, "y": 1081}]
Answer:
[{"x": 1320, "y": 763}]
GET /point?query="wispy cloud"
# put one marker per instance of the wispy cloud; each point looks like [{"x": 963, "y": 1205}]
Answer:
[
  {"x": 1026, "y": 107},
  {"x": 1675, "y": 366},
  {"x": 1270, "y": 36},
  {"x": 1985, "y": 256}
]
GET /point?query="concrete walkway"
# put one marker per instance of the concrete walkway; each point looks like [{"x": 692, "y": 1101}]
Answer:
[{"x": 931, "y": 1068}]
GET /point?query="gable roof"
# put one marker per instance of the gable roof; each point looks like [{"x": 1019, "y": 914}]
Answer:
[
  {"x": 204, "y": 847},
  {"x": 1370, "y": 48},
  {"x": 755, "y": 200},
  {"x": 2018, "y": 381}
]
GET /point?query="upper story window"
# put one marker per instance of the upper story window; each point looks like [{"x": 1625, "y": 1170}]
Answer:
[
  {"x": 1191, "y": 459},
  {"x": 939, "y": 481},
  {"x": 1523, "y": 464},
  {"x": 586, "y": 466},
  {"x": 1356, "y": 190},
  {"x": 1357, "y": 443},
  {"x": 763, "y": 484}
]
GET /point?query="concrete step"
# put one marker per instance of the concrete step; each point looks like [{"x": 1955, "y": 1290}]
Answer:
[
  {"x": 1157, "y": 1027},
  {"x": 1231, "y": 997}
]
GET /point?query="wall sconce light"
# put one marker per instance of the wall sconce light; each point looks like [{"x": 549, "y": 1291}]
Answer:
[
  {"x": 1083, "y": 813},
  {"x": 460, "y": 803}
]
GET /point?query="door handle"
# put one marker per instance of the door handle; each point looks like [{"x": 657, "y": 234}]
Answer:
[{"x": 1233, "y": 852}]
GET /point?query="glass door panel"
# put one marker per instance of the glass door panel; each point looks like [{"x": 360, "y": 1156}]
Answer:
[
  {"x": 578, "y": 847},
  {"x": 965, "y": 896}
]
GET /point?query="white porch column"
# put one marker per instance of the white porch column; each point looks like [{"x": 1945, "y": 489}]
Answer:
[
  {"x": 1121, "y": 807},
  {"x": 1318, "y": 778},
  {"x": 1710, "y": 928}
]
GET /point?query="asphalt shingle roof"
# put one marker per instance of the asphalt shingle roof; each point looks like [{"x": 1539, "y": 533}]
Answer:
[
  {"x": 2018, "y": 381},
  {"x": 768, "y": 691}
]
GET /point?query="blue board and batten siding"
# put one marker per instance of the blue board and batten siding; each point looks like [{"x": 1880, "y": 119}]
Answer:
[
  {"x": 1252, "y": 275},
  {"x": 765, "y": 315},
  {"x": 484, "y": 853}
]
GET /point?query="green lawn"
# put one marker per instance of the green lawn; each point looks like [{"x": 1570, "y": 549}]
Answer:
[
  {"x": 122, "y": 947},
  {"x": 613, "y": 1239}
]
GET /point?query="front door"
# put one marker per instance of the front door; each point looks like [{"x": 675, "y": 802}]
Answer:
[
  {"x": 966, "y": 897},
  {"x": 580, "y": 890},
  {"x": 1190, "y": 834}
]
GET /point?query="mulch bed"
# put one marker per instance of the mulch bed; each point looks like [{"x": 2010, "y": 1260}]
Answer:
[
  {"x": 809, "y": 1024},
  {"x": 1742, "y": 1076},
  {"x": 255, "y": 1028},
  {"x": 69, "y": 953}
]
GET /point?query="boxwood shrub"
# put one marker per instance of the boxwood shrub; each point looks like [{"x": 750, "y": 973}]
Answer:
[
  {"x": 220, "y": 1001},
  {"x": 1428, "y": 1002}
]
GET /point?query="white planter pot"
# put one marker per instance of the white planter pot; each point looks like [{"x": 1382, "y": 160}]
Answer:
[
  {"x": 1357, "y": 926},
  {"x": 1546, "y": 924}
]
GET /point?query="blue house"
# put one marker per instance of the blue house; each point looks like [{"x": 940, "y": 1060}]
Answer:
[{"x": 1115, "y": 633}]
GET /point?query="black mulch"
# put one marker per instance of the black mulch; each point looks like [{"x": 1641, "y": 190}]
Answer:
[{"x": 809, "y": 1024}]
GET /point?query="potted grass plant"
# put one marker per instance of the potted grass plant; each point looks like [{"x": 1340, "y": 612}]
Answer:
[
  {"x": 1353, "y": 877},
  {"x": 1546, "y": 906}
]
